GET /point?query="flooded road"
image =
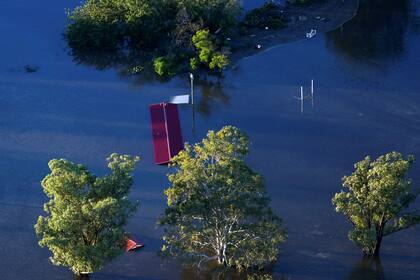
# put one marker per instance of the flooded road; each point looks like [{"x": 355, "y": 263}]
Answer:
[{"x": 366, "y": 101}]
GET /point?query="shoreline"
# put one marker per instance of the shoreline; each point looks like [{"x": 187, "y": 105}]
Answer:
[{"x": 322, "y": 17}]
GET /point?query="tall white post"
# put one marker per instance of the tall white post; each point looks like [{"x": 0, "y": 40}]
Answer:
[
  {"x": 312, "y": 92},
  {"x": 192, "y": 102},
  {"x": 301, "y": 99},
  {"x": 192, "y": 88}
]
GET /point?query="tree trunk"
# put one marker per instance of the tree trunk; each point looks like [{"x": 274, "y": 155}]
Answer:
[
  {"x": 222, "y": 257},
  {"x": 379, "y": 236},
  {"x": 82, "y": 276},
  {"x": 369, "y": 265},
  {"x": 377, "y": 246}
]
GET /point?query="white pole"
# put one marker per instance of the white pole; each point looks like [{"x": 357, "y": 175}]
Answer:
[
  {"x": 192, "y": 88},
  {"x": 301, "y": 99},
  {"x": 312, "y": 92},
  {"x": 192, "y": 102}
]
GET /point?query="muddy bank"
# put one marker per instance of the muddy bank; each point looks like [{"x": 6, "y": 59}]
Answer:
[{"x": 322, "y": 17}]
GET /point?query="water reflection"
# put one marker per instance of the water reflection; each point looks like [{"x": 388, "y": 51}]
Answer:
[
  {"x": 376, "y": 32},
  {"x": 209, "y": 86},
  {"x": 369, "y": 268},
  {"x": 126, "y": 63},
  {"x": 214, "y": 272},
  {"x": 212, "y": 94}
]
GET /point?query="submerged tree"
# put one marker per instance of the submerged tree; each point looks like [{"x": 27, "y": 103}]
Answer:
[
  {"x": 218, "y": 208},
  {"x": 83, "y": 225},
  {"x": 375, "y": 200}
]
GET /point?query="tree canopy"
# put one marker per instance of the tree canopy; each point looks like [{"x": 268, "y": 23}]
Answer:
[
  {"x": 85, "y": 216},
  {"x": 160, "y": 32},
  {"x": 376, "y": 200},
  {"x": 218, "y": 208}
]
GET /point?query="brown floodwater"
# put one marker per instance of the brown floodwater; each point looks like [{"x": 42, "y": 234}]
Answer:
[{"x": 366, "y": 101}]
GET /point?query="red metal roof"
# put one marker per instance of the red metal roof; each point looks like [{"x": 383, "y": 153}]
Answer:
[
  {"x": 166, "y": 132},
  {"x": 132, "y": 245}
]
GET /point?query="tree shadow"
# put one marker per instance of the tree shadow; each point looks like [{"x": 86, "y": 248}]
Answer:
[
  {"x": 378, "y": 30},
  {"x": 214, "y": 272},
  {"x": 369, "y": 268},
  {"x": 135, "y": 67},
  {"x": 212, "y": 94}
]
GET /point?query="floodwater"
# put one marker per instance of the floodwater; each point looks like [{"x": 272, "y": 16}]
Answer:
[{"x": 366, "y": 101}]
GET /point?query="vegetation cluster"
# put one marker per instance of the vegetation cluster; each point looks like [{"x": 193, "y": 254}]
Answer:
[
  {"x": 171, "y": 35},
  {"x": 269, "y": 15},
  {"x": 85, "y": 217},
  {"x": 218, "y": 213}
]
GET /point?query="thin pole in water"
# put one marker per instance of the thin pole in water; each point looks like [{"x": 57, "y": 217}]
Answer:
[
  {"x": 192, "y": 102},
  {"x": 312, "y": 92},
  {"x": 301, "y": 99}
]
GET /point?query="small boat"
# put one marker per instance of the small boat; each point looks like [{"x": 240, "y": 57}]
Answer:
[{"x": 166, "y": 132}]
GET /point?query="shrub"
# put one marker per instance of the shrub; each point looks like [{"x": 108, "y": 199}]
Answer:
[
  {"x": 206, "y": 51},
  {"x": 165, "y": 65},
  {"x": 219, "y": 61},
  {"x": 269, "y": 15}
]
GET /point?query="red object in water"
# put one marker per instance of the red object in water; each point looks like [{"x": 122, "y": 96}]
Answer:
[
  {"x": 132, "y": 245},
  {"x": 166, "y": 132}
]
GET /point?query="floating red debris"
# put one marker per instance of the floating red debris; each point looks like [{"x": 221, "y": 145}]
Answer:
[
  {"x": 133, "y": 245},
  {"x": 166, "y": 132}
]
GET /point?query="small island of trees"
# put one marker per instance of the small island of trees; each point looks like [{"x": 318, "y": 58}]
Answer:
[{"x": 170, "y": 35}]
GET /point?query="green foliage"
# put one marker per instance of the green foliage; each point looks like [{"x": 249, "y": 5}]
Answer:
[
  {"x": 207, "y": 53},
  {"x": 269, "y": 15},
  {"x": 214, "y": 14},
  {"x": 152, "y": 26},
  {"x": 83, "y": 225},
  {"x": 259, "y": 277},
  {"x": 219, "y": 61},
  {"x": 204, "y": 45},
  {"x": 194, "y": 63},
  {"x": 218, "y": 208},
  {"x": 164, "y": 66},
  {"x": 375, "y": 200}
]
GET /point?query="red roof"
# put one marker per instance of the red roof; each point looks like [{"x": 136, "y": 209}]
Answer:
[
  {"x": 132, "y": 245},
  {"x": 166, "y": 132}
]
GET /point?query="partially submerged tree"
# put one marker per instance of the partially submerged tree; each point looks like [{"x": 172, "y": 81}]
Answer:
[
  {"x": 376, "y": 199},
  {"x": 207, "y": 52},
  {"x": 85, "y": 217},
  {"x": 218, "y": 208}
]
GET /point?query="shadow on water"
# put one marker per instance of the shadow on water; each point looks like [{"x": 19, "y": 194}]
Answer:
[
  {"x": 214, "y": 272},
  {"x": 369, "y": 268},
  {"x": 126, "y": 63},
  {"x": 377, "y": 32},
  {"x": 209, "y": 86},
  {"x": 212, "y": 94}
]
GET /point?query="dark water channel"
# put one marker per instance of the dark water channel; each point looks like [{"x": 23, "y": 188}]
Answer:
[{"x": 367, "y": 101}]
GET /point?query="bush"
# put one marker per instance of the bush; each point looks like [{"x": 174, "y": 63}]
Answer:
[
  {"x": 105, "y": 23},
  {"x": 213, "y": 14},
  {"x": 269, "y": 15},
  {"x": 194, "y": 63},
  {"x": 219, "y": 61},
  {"x": 207, "y": 52},
  {"x": 165, "y": 65}
]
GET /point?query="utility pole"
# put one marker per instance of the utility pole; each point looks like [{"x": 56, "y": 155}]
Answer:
[
  {"x": 192, "y": 102},
  {"x": 192, "y": 88},
  {"x": 312, "y": 92},
  {"x": 301, "y": 99}
]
